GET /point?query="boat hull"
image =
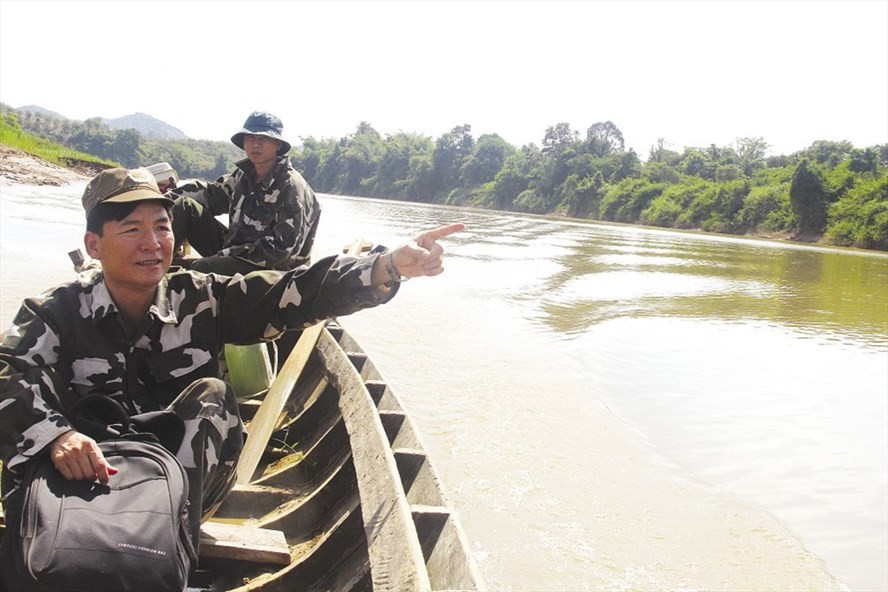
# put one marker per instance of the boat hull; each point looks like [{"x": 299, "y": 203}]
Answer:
[{"x": 347, "y": 480}]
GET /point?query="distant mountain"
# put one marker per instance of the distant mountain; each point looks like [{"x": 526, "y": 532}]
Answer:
[
  {"x": 41, "y": 111},
  {"x": 149, "y": 127}
]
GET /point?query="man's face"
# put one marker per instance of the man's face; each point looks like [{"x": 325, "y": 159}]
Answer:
[
  {"x": 260, "y": 149},
  {"x": 135, "y": 252}
]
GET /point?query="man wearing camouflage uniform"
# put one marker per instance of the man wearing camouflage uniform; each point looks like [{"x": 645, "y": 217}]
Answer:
[
  {"x": 272, "y": 211},
  {"x": 151, "y": 339}
]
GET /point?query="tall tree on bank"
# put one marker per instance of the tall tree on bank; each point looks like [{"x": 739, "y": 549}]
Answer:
[
  {"x": 808, "y": 198},
  {"x": 485, "y": 161},
  {"x": 604, "y": 138},
  {"x": 451, "y": 151}
]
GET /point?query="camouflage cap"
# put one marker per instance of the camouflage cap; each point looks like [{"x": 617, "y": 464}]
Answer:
[
  {"x": 121, "y": 186},
  {"x": 261, "y": 123}
]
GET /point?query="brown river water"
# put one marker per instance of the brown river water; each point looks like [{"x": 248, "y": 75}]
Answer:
[{"x": 613, "y": 407}]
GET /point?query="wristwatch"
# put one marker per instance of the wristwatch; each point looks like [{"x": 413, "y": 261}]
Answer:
[{"x": 392, "y": 270}]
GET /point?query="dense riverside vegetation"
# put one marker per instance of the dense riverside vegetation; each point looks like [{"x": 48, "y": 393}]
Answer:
[{"x": 831, "y": 192}]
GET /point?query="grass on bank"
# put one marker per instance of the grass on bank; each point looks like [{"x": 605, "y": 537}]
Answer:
[{"x": 12, "y": 135}]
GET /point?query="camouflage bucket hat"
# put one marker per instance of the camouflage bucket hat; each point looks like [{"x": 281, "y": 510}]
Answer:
[
  {"x": 261, "y": 123},
  {"x": 121, "y": 186}
]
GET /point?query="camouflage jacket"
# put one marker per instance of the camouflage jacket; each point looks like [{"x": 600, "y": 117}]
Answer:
[
  {"x": 71, "y": 342},
  {"x": 271, "y": 222}
]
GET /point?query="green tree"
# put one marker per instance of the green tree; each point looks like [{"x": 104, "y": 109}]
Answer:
[
  {"x": 728, "y": 172},
  {"x": 662, "y": 211},
  {"x": 561, "y": 147},
  {"x": 11, "y": 120},
  {"x": 882, "y": 150},
  {"x": 315, "y": 160},
  {"x": 580, "y": 196},
  {"x": 604, "y": 138},
  {"x": 625, "y": 201},
  {"x": 629, "y": 167},
  {"x": 330, "y": 165},
  {"x": 451, "y": 151},
  {"x": 395, "y": 177},
  {"x": 487, "y": 158},
  {"x": 693, "y": 162},
  {"x": 715, "y": 208},
  {"x": 827, "y": 153},
  {"x": 558, "y": 138},
  {"x": 860, "y": 218},
  {"x": 358, "y": 158},
  {"x": 766, "y": 208},
  {"x": 809, "y": 198},
  {"x": 531, "y": 202},
  {"x": 420, "y": 182},
  {"x": 751, "y": 154},
  {"x": 124, "y": 147},
  {"x": 93, "y": 138},
  {"x": 864, "y": 161},
  {"x": 514, "y": 177},
  {"x": 660, "y": 172},
  {"x": 660, "y": 153}
]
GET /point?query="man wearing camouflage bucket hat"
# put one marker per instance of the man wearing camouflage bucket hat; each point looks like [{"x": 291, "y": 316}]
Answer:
[
  {"x": 272, "y": 211},
  {"x": 262, "y": 124},
  {"x": 151, "y": 339}
]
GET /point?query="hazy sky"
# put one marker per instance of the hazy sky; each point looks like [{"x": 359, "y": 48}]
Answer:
[{"x": 692, "y": 73}]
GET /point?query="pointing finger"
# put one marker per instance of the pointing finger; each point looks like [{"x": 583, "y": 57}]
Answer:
[{"x": 443, "y": 231}]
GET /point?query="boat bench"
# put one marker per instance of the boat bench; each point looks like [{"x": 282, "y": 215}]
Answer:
[{"x": 221, "y": 540}]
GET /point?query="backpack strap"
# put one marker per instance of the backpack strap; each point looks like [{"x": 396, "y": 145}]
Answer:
[{"x": 100, "y": 417}]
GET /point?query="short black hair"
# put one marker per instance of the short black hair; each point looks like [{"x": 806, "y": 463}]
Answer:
[{"x": 108, "y": 211}]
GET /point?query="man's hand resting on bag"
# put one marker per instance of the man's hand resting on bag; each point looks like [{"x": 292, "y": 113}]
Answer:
[{"x": 78, "y": 457}]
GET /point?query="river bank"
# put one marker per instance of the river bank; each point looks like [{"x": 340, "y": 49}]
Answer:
[{"x": 18, "y": 166}]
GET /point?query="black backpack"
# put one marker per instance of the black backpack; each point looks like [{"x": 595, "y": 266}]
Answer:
[{"x": 129, "y": 535}]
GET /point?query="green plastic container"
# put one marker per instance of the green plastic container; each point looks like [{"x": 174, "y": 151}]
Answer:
[{"x": 249, "y": 368}]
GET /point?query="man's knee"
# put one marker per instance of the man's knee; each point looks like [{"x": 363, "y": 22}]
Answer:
[
  {"x": 194, "y": 221},
  {"x": 210, "y": 412},
  {"x": 206, "y": 397}
]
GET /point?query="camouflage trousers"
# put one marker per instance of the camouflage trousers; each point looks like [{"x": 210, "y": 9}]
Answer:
[
  {"x": 193, "y": 221},
  {"x": 210, "y": 446}
]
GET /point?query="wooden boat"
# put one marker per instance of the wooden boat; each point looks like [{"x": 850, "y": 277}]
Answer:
[{"x": 346, "y": 487}]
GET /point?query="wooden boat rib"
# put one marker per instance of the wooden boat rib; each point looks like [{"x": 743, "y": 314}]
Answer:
[{"x": 348, "y": 483}]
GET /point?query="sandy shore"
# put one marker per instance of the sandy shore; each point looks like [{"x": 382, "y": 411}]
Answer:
[{"x": 20, "y": 167}]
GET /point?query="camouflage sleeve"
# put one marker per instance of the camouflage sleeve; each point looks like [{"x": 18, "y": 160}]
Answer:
[
  {"x": 216, "y": 196},
  {"x": 220, "y": 194},
  {"x": 29, "y": 398},
  {"x": 263, "y": 304},
  {"x": 307, "y": 223}
]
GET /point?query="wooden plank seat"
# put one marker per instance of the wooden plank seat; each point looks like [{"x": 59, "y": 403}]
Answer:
[{"x": 221, "y": 540}]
